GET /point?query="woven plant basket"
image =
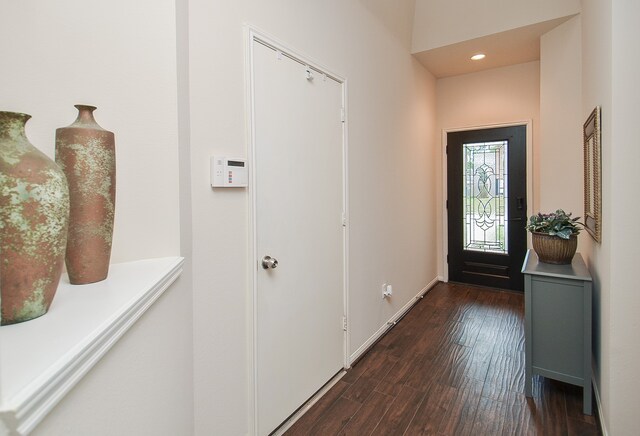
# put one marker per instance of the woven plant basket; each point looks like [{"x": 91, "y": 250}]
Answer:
[{"x": 553, "y": 249}]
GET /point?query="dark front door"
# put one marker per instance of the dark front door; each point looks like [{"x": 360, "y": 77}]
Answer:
[{"x": 487, "y": 206}]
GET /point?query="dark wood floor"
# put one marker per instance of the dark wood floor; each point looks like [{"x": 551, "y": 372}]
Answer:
[{"x": 454, "y": 366}]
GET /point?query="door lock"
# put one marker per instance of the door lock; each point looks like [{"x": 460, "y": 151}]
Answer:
[{"x": 269, "y": 262}]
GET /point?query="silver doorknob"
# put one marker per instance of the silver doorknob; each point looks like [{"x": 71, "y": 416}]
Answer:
[{"x": 269, "y": 262}]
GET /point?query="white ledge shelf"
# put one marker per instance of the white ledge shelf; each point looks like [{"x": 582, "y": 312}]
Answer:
[{"x": 42, "y": 359}]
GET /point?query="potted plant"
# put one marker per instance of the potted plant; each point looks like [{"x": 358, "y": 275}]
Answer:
[{"x": 554, "y": 236}]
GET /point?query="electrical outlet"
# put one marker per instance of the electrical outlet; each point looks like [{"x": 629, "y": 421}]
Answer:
[{"x": 387, "y": 291}]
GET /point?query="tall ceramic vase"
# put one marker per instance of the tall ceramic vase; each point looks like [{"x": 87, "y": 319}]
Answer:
[
  {"x": 86, "y": 153},
  {"x": 34, "y": 213}
]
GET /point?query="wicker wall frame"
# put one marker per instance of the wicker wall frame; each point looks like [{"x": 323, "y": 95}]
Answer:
[{"x": 593, "y": 175}]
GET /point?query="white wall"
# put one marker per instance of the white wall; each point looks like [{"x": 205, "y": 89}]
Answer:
[
  {"x": 497, "y": 96},
  {"x": 121, "y": 57},
  {"x": 625, "y": 233},
  {"x": 57, "y": 54},
  {"x": 609, "y": 73},
  {"x": 442, "y": 22},
  {"x": 560, "y": 153},
  {"x": 610, "y": 69},
  {"x": 392, "y": 168},
  {"x": 596, "y": 90}
]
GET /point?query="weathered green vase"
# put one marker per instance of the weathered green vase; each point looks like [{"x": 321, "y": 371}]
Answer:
[
  {"x": 86, "y": 153},
  {"x": 34, "y": 215}
]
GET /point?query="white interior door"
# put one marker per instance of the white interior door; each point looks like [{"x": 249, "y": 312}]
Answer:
[{"x": 299, "y": 205}]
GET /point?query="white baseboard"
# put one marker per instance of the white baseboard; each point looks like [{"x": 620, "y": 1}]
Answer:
[
  {"x": 603, "y": 425},
  {"x": 308, "y": 405},
  {"x": 378, "y": 334}
]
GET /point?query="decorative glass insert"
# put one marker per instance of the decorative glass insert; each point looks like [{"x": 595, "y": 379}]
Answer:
[{"x": 485, "y": 194}]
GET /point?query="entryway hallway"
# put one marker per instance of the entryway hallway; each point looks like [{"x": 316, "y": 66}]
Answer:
[{"x": 453, "y": 366}]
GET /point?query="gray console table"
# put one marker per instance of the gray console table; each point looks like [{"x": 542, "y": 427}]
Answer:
[{"x": 558, "y": 323}]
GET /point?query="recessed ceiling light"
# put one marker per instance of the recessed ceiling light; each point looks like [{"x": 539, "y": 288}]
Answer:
[{"x": 477, "y": 57}]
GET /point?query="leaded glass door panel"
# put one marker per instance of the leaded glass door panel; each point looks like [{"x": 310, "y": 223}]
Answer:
[{"x": 486, "y": 193}]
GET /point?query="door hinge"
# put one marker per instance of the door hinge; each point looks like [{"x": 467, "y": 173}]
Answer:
[
  {"x": 447, "y": 258},
  {"x": 446, "y": 150},
  {"x": 344, "y": 220},
  {"x": 447, "y": 204},
  {"x": 342, "y": 115},
  {"x": 344, "y": 323}
]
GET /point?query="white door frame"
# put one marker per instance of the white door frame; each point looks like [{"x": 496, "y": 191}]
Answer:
[
  {"x": 530, "y": 205},
  {"x": 252, "y": 34}
]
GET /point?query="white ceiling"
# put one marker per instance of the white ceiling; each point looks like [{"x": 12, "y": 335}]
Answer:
[{"x": 505, "y": 48}]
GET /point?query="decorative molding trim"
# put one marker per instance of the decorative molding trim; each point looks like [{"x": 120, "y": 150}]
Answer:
[
  {"x": 22, "y": 412},
  {"x": 389, "y": 324}
]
